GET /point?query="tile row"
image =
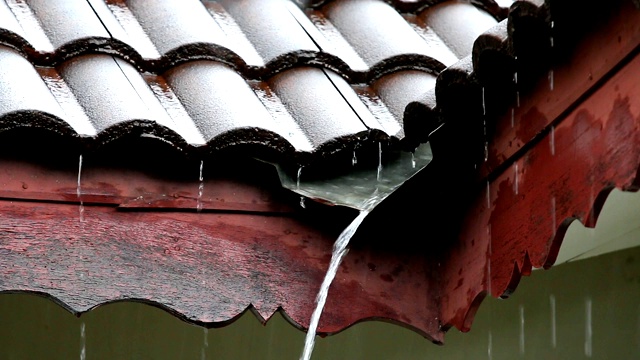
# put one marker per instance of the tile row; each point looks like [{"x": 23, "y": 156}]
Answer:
[
  {"x": 205, "y": 105},
  {"x": 360, "y": 39}
]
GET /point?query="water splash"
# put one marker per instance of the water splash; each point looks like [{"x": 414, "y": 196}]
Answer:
[
  {"x": 205, "y": 345},
  {"x": 339, "y": 251},
  {"x": 79, "y": 190},
  {"x": 200, "y": 188},
  {"x": 521, "y": 330},
  {"x": 379, "y": 174},
  {"x": 83, "y": 342},
  {"x": 552, "y": 304},
  {"x": 588, "y": 329}
]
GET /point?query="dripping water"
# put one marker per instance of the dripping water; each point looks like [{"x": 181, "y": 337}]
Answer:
[
  {"x": 515, "y": 81},
  {"x": 588, "y": 330},
  {"x": 79, "y": 190},
  {"x": 200, "y": 188},
  {"x": 302, "y": 202},
  {"x": 490, "y": 346},
  {"x": 339, "y": 251},
  {"x": 413, "y": 160},
  {"x": 553, "y": 215},
  {"x": 298, "y": 177},
  {"x": 83, "y": 342},
  {"x": 552, "y": 140},
  {"x": 551, "y": 79},
  {"x": 552, "y": 304},
  {"x": 484, "y": 127},
  {"x": 521, "y": 330},
  {"x": 378, "y": 175},
  {"x": 488, "y": 195},
  {"x": 354, "y": 159},
  {"x": 513, "y": 117},
  {"x": 205, "y": 345}
]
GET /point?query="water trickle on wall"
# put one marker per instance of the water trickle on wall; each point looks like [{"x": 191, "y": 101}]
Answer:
[{"x": 79, "y": 190}]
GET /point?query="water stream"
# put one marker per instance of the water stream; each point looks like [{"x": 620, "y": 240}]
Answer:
[{"x": 339, "y": 251}]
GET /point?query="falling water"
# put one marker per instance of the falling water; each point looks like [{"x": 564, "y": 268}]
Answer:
[
  {"x": 551, "y": 79},
  {"x": 484, "y": 127},
  {"x": 513, "y": 117},
  {"x": 588, "y": 330},
  {"x": 354, "y": 159},
  {"x": 379, "y": 161},
  {"x": 552, "y": 140},
  {"x": 552, "y": 304},
  {"x": 200, "y": 188},
  {"x": 302, "y": 202},
  {"x": 205, "y": 345},
  {"x": 339, "y": 251},
  {"x": 515, "y": 81},
  {"x": 521, "y": 330},
  {"x": 83, "y": 342},
  {"x": 488, "y": 191},
  {"x": 490, "y": 347},
  {"x": 79, "y": 190},
  {"x": 413, "y": 160},
  {"x": 298, "y": 177}
]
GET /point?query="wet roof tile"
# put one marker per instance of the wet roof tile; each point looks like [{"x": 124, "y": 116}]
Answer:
[{"x": 304, "y": 81}]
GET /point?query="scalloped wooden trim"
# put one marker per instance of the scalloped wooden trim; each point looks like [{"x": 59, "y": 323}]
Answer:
[{"x": 519, "y": 219}]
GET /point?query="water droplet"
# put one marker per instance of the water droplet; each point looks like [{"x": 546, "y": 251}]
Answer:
[
  {"x": 354, "y": 159},
  {"x": 200, "y": 188},
  {"x": 521, "y": 329},
  {"x": 379, "y": 174},
  {"x": 340, "y": 249},
  {"x": 551, "y": 79},
  {"x": 552, "y": 304},
  {"x": 83, "y": 342},
  {"x": 588, "y": 330},
  {"x": 79, "y": 190},
  {"x": 302, "y": 202}
]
